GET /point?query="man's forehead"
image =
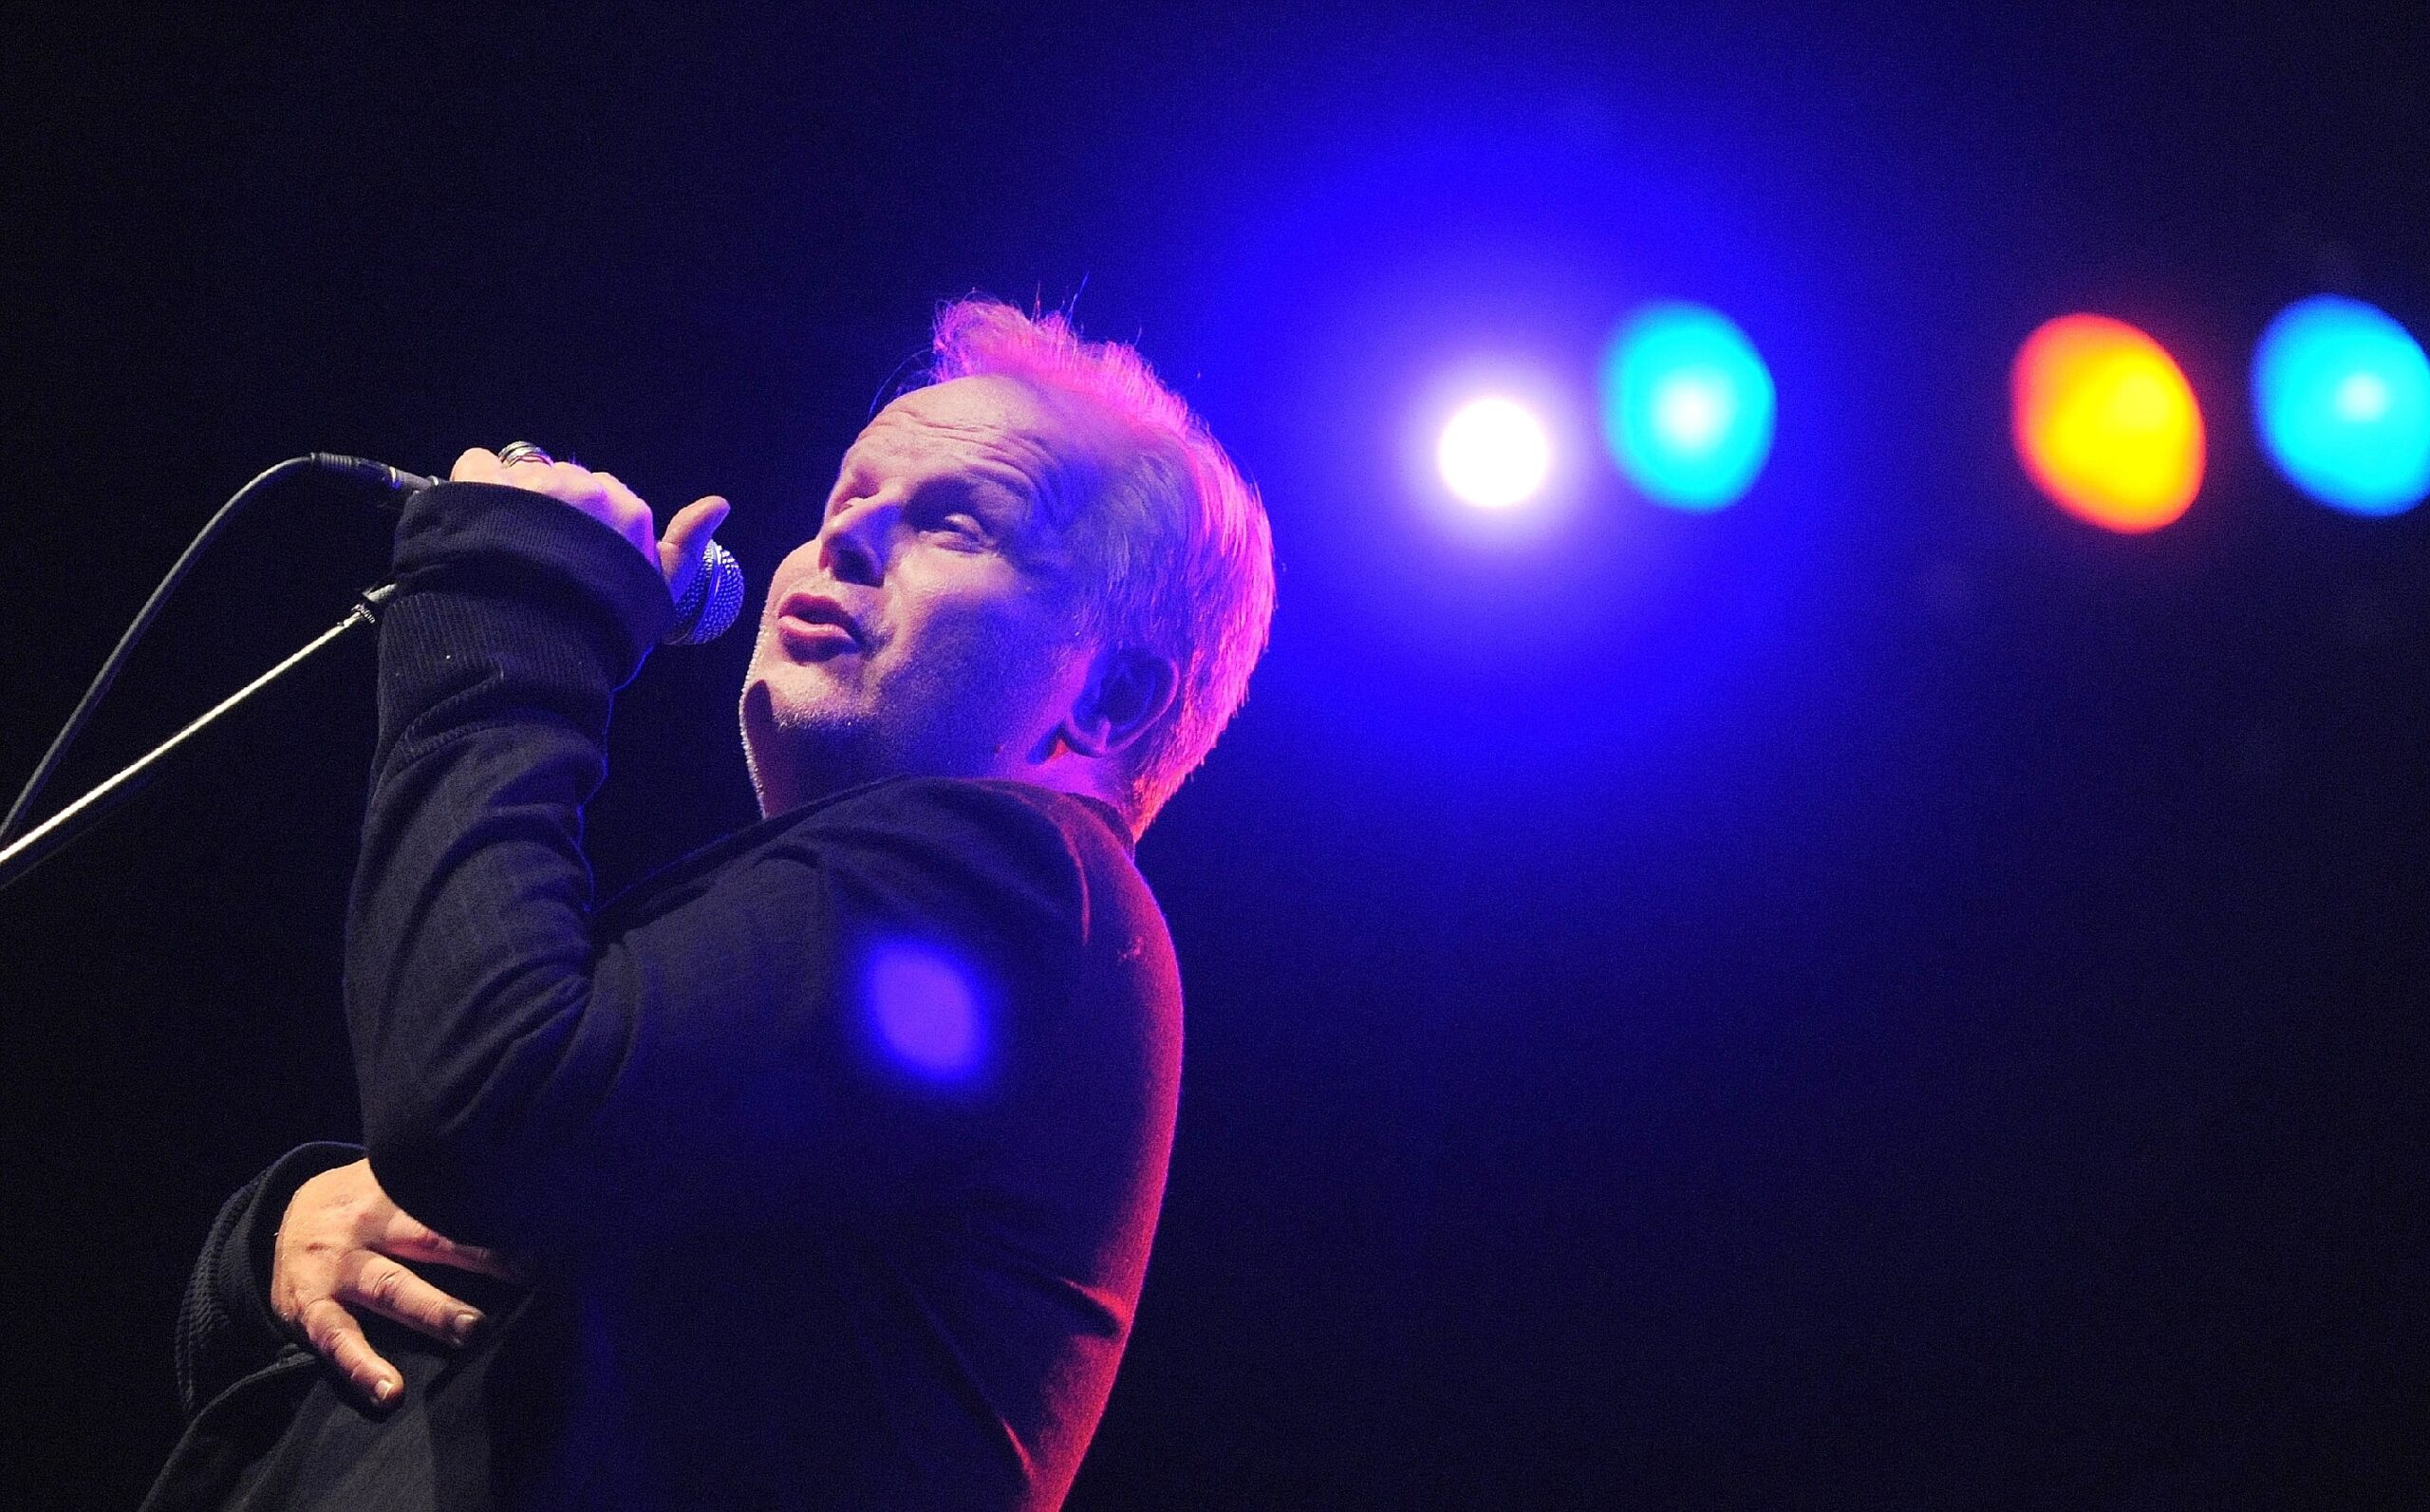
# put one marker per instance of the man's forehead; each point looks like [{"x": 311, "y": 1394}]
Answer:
[
  {"x": 987, "y": 408},
  {"x": 1060, "y": 445}
]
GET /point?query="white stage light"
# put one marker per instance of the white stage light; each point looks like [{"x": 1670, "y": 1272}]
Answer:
[{"x": 1494, "y": 453}]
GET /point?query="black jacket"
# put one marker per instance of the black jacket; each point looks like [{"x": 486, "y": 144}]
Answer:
[{"x": 839, "y": 1144}]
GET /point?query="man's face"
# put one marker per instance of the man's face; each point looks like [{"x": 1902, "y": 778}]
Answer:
[{"x": 929, "y": 628}]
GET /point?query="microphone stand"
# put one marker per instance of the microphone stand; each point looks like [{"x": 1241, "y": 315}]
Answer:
[{"x": 38, "y": 844}]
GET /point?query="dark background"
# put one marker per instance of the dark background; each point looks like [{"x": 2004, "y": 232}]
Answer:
[{"x": 1883, "y": 996}]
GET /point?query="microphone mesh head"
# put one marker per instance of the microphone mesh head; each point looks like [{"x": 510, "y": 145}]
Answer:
[{"x": 708, "y": 607}]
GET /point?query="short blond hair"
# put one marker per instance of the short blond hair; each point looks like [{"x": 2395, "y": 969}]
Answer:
[{"x": 1175, "y": 539}]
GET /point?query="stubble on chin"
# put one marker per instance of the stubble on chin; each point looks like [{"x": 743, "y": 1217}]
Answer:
[{"x": 799, "y": 752}]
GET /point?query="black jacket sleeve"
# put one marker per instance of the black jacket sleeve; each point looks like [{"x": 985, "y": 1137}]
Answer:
[
  {"x": 226, "y": 1330},
  {"x": 534, "y": 1078}
]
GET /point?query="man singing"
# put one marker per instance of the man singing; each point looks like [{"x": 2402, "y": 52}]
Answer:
[{"x": 827, "y": 1160}]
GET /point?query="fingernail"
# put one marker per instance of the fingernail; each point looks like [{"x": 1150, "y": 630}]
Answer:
[
  {"x": 385, "y": 1391},
  {"x": 459, "y": 1328}
]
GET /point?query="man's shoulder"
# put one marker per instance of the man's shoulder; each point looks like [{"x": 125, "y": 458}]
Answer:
[
  {"x": 943, "y": 835},
  {"x": 971, "y": 810}
]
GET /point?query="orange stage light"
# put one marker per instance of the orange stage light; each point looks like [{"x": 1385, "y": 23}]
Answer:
[{"x": 2107, "y": 423}]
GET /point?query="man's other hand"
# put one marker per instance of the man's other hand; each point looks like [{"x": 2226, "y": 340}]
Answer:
[
  {"x": 599, "y": 495},
  {"x": 338, "y": 1248}
]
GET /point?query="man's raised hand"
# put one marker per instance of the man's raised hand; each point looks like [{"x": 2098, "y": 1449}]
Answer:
[
  {"x": 604, "y": 498},
  {"x": 338, "y": 1249}
]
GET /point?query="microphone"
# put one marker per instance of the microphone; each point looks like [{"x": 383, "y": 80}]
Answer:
[
  {"x": 706, "y": 611},
  {"x": 708, "y": 607}
]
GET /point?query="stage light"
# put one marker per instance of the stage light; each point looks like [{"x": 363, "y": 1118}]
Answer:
[
  {"x": 2341, "y": 394},
  {"x": 2107, "y": 423},
  {"x": 1494, "y": 453},
  {"x": 1687, "y": 407}
]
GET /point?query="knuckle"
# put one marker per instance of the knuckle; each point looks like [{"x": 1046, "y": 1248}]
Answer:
[
  {"x": 325, "y": 1324},
  {"x": 385, "y": 1284}
]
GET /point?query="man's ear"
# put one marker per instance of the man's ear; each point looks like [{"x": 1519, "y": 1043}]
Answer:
[{"x": 1128, "y": 691}]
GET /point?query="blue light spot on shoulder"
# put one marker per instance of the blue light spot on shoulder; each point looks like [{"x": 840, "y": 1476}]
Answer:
[{"x": 926, "y": 1009}]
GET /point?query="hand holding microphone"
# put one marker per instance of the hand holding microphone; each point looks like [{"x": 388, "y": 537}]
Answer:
[{"x": 703, "y": 578}]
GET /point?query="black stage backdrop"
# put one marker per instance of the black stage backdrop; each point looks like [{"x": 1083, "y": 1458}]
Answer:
[{"x": 1884, "y": 997}]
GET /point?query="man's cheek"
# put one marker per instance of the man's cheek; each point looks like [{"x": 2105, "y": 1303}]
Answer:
[{"x": 986, "y": 657}]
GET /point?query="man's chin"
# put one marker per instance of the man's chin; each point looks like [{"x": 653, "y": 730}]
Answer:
[
  {"x": 800, "y": 750},
  {"x": 781, "y": 705}
]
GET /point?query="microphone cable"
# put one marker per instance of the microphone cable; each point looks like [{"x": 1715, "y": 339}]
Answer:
[{"x": 359, "y": 468}]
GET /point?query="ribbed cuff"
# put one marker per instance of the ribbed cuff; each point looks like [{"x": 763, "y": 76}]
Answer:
[{"x": 487, "y": 538}]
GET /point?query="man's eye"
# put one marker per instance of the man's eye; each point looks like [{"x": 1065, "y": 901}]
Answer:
[{"x": 958, "y": 524}]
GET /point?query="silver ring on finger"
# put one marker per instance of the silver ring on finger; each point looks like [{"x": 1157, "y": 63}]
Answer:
[{"x": 514, "y": 451}]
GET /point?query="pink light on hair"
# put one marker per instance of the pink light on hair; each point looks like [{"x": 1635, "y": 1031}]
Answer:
[{"x": 1178, "y": 540}]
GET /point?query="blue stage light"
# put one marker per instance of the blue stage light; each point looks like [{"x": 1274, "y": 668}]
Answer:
[
  {"x": 1494, "y": 453},
  {"x": 2341, "y": 394},
  {"x": 1687, "y": 405}
]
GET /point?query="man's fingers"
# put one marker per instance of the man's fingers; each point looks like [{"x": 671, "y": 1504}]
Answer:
[
  {"x": 338, "y": 1338},
  {"x": 478, "y": 465},
  {"x": 625, "y": 512},
  {"x": 393, "y": 1292},
  {"x": 408, "y": 1238},
  {"x": 604, "y": 498},
  {"x": 687, "y": 540}
]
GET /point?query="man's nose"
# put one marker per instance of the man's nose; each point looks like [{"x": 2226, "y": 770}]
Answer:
[{"x": 852, "y": 548}]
